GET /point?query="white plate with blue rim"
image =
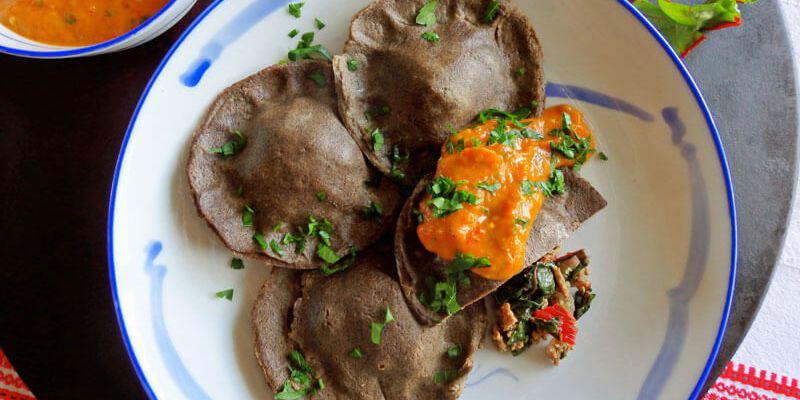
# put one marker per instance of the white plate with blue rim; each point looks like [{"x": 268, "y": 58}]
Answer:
[{"x": 663, "y": 251}]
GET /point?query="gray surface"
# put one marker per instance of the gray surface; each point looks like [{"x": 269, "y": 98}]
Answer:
[{"x": 746, "y": 75}]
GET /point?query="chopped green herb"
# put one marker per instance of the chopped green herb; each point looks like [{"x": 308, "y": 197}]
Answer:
[
  {"x": 237, "y": 263},
  {"x": 342, "y": 264},
  {"x": 353, "y": 64},
  {"x": 491, "y": 11},
  {"x": 442, "y": 295},
  {"x": 327, "y": 254},
  {"x": 521, "y": 222},
  {"x": 398, "y": 159},
  {"x": 259, "y": 238},
  {"x": 454, "y": 351},
  {"x": 527, "y": 187},
  {"x": 299, "y": 242},
  {"x": 489, "y": 188},
  {"x": 475, "y": 142},
  {"x": 377, "y": 140},
  {"x": 293, "y": 33},
  {"x": 446, "y": 199},
  {"x": 431, "y": 36},
  {"x": 427, "y": 14},
  {"x": 307, "y": 39},
  {"x": 376, "y": 329},
  {"x": 318, "y": 23},
  {"x": 373, "y": 210},
  {"x": 307, "y": 52},
  {"x": 602, "y": 156},
  {"x": 322, "y": 196},
  {"x": 278, "y": 226},
  {"x": 583, "y": 300},
  {"x": 373, "y": 113},
  {"x": 225, "y": 294},
  {"x": 571, "y": 145},
  {"x": 520, "y": 72},
  {"x": 447, "y": 375},
  {"x": 300, "y": 382},
  {"x": 294, "y": 9},
  {"x": 70, "y": 19},
  {"x": 318, "y": 78},
  {"x": 356, "y": 353},
  {"x": 230, "y": 148},
  {"x": 247, "y": 215},
  {"x": 276, "y": 248}
]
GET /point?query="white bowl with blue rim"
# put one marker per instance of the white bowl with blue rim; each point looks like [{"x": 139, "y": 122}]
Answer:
[
  {"x": 18, "y": 45},
  {"x": 663, "y": 251}
]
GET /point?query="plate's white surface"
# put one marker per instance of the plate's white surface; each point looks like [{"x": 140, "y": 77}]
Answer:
[{"x": 661, "y": 251}]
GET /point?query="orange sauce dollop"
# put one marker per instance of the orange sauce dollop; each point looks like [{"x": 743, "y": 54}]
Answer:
[
  {"x": 75, "y": 22},
  {"x": 498, "y": 225}
]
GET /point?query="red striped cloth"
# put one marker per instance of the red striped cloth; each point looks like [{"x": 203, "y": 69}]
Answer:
[{"x": 11, "y": 385}]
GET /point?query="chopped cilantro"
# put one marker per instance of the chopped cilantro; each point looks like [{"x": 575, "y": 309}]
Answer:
[
  {"x": 276, "y": 248},
  {"x": 431, "y": 36},
  {"x": 454, "y": 351},
  {"x": 376, "y": 329},
  {"x": 571, "y": 145},
  {"x": 341, "y": 264},
  {"x": 447, "y": 375},
  {"x": 259, "y": 238},
  {"x": 293, "y": 33},
  {"x": 327, "y": 254},
  {"x": 299, "y": 242},
  {"x": 237, "y": 263},
  {"x": 307, "y": 39},
  {"x": 446, "y": 199},
  {"x": 521, "y": 222},
  {"x": 377, "y": 140},
  {"x": 602, "y": 156},
  {"x": 396, "y": 171},
  {"x": 442, "y": 295},
  {"x": 307, "y": 52},
  {"x": 373, "y": 210},
  {"x": 475, "y": 142},
  {"x": 322, "y": 196},
  {"x": 318, "y": 78},
  {"x": 225, "y": 294},
  {"x": 294, "y": 9},
  {"x": 318, "y": 23},
  {"x": 489, "y": 188},
  {"x": 427, "y": 14},
  {"x": 278, "y": 227},
  {"x": 300, "y": 382},
  {"x": 520, "y": 72},
  {"x": 356, "y": 353},
  {"x": 230, "y": 148},
  {"x": 247, "y": 215},
  {"x": 491, "y": 11},
  {"x": 373, "y": 113},
  {"x": 353, "y": 64}
]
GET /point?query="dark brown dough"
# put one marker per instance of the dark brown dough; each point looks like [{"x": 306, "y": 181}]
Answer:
[
  {"x": 429, "y": 87},
  {"x": 558, "y": 218},
  {"x": 296, "y": 147},
  {"x": 333, "y": 315}
]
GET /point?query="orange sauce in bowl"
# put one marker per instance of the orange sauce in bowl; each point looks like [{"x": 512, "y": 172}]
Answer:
[
  {"x": 75, "y": 22},
  {"x": 498, "y": 224}
]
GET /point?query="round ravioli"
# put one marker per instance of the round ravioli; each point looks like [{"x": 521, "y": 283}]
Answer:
[
  {"x": 403, "y": 86},
  {"x": 277, "y": 176},
  {"x": 331, "y": 325},
  {"x": 419, "y": 269}
]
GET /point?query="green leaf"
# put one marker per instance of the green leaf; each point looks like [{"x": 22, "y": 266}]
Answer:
[
  {"x": 322, "y": 196},
  {"x": 427, "y": 14},
  {"x": 602, "y": 156},
  {"x": 373, "y": 210},
  {"x": 293, "y": 33},
  {"x": 376, "y": 328},
  {"x": 583, "y": 300},
  {"x": 237, "y": 263},
  {"x": 489, "y": 188},
  {"x": 259, "y": 238},
  {"x": 327, "y": 254},
  {"x": 341, "y": 265},
  {"x": 376, "y": 112},
  {"x": 318, "y": 78},
  {"x": 294, "y": 9},
  {"x": 431, "y": 36},
  {"x": 318, "y": 23},
  {"x": 276, "y": 248},
  {"x": 247, "y": 215},
  {"x": 445, "y": 199},
  {"x": 356, "y": 353},
  {"x": 491, "y": 11},
  {"x": 454, "y": 351},
  {"x": 225, "y": 294},
  {"x": 307, "y": 52},
  {"x": 520, "y": 72},
  {"x": 232, "y": 147},
  {"x": 444, "y": 376},
  {"x": 353, "y": 64},
  {"x": 377, "y": 140}
]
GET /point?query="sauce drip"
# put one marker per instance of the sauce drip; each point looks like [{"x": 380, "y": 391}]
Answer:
[
  {"x": 498, "y": 224},
  {"x": 75, "y": 22}
]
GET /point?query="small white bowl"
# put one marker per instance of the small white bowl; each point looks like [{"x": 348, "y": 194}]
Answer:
[{"x": 15, "y": 44}]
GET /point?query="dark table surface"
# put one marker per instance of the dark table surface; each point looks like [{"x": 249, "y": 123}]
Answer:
[{"x": 61, "y": 126}]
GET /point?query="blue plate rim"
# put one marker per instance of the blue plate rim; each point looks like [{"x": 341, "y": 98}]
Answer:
[
  {"x": 676, "y": 59},
  {"x": 88, "y": 49}
]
